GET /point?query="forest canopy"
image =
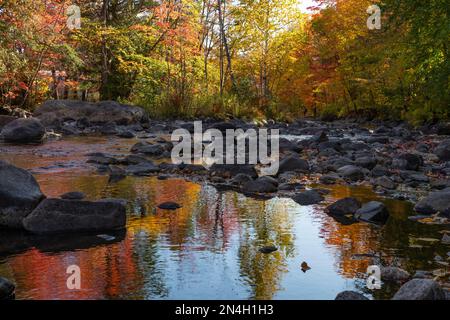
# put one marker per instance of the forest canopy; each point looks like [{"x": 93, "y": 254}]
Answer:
[{"x": 231, "y": 58}]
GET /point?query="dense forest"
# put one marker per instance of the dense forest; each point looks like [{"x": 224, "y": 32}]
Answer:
[{"x": 231, "y": 58}]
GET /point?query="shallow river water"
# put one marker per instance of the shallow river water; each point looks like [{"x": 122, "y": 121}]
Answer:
[{"x": 209, "y": 248}]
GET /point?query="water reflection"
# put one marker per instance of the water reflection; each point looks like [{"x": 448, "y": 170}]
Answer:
[{"x": 208, "y": 249}]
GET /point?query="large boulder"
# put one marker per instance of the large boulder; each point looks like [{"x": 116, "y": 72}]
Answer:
[
  {"x": 261, "y": 185},
  {"x": 23, "y": 131},
  {"x": 413, "y": 161},
  {"x": 373, "y": 211},
  {"x": 4, "y": 120},
  {"x": 350, "y": 295},
  {"x": 58, "y": 215},
  {"x": 435, "y": 202},
  {"x": 293, "y": 163},
  {"x": 307, "y": 198},
  {"x": 7, "y": 289},
  {"x": 19, "y": 195},
  {"x": 394, "y": 274},
  {"x": 53, "y": 112},
  {"x": 343, "y": 207},
  {"x": 420, "y": 289},
  {"x": 443, "y": 150},
  {"x": 231, "y": 170},
  {"x": 351, "y": 172}
]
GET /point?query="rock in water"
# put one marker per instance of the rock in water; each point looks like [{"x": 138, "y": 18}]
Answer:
[
  {"x": 420, "y": 289},
  {"x": 350, "y": 295},
  {"x": 394, "y": 274},
  {"x": 6, "y": 289},
  {"x": 19, "y": 195},
  {"x": 23, "y": 131},
  {"x": 268, "y": 249},
  {"x": 58, "y": 215},
  {"x": 261, "y": 185},
  {"x": 169, "y": 206},
  {"x": 293, "y": 163},
  {"x": 351, "y": 172},
  {"x": 373, "y": 211},
  {"x": 343, "y": 207},
  {"x": 435, "y": 202},
  {"x": 308, "y": 198}
]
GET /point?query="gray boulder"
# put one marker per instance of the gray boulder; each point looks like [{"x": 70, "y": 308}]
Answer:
[
  {"x": 103, "y": 112},
  {"x": 350, "y": 295},
  {"x": 420, "y": 289},
  {"x": 7, "y": 289},
  {"x": 351, "y": 172},
  {"x": 443, "y": 150},
  {"x": 293, "y": 163},
  {"x": 261, "y": 185},
  {"x": 372, "y": 211},
  {"x": 148, "y": 148},
  {"x": 308, "y": 198},
  {"x": 435, "y": 202},
  {"x": 58, "y": 215},
  {"x": 394, "y": 274},
  {"x": 343, "y": 207},
  {"x": 143, "y": 169},
  {"x": 19, "y": 195},
  {"x": 23, "y": 131}
]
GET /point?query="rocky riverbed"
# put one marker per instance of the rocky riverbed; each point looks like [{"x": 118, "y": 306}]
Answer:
[{"x": 373, "y": 192}]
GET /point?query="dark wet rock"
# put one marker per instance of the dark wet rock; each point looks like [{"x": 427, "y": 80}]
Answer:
[
  {"x": 366, "y": 162},
  {"x": 109, "y": 128},
  {"x": 169, "y": 206},
  {"x": 443, "y": 129},
  {"x": 261, "y": 185},
  {"x": 75, "y": 195},
  {"x": 231, "y": 170},
  {"x": 95, "y": 113},
  {"x": 4, "y": 120},
  {"x": 420, "y": 289},
  {"x": 23, "y": 131},
  {"x": 163, "y": 177},
  {"x": 148, "y": 148},
  {"x": 101, "y": 158},
  {"x": 19, "y": 195},
  {"x": 320, "y": 136},
  {"x": 435, "y": 202},
  {"x": 413, "y": 161},
  {"x": 222, "y": 126},
  {"x": 116, "y": 174},
  {"x": 414, "y": 176},
  {"x": 385, "y": 182},
  {"x": 126, "y": 134},
  {"x": 290, "y": 186},
  {"x": 240, "y": 179},
  {"x": 293, "y": 163},
  {"x": 354, "y": 146},
  {"x": 58, "y": 215},
  {"x": 422, "y": 147},
  {"x": 307, "y": 198},
  {"x": 379, "y": 171},
  {"x": 394, "y": 274},
  {"x": 7, "y": 289},
  {"x": 133, "y": 159},
  {"x": 372, "y": 211},
  {"x": 143, "y": 169},
  {"x": 378, "y": 139},
  {"x": 288, "y": 145},
  {"x": 443, "y": 150},
  {"x": 329, "y": 178},
  {"x": 350, "y": 295},
  {"x": 344, "y": 207},
  {"x": 268, "y": 249},
  {"x": 351, "y": 172},
  {"x": 69, "y": 130}
]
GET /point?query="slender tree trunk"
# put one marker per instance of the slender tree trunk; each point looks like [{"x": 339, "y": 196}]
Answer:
[
  {"x": 225, "y": 44},
  {"x": 105, "y": 56}
]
